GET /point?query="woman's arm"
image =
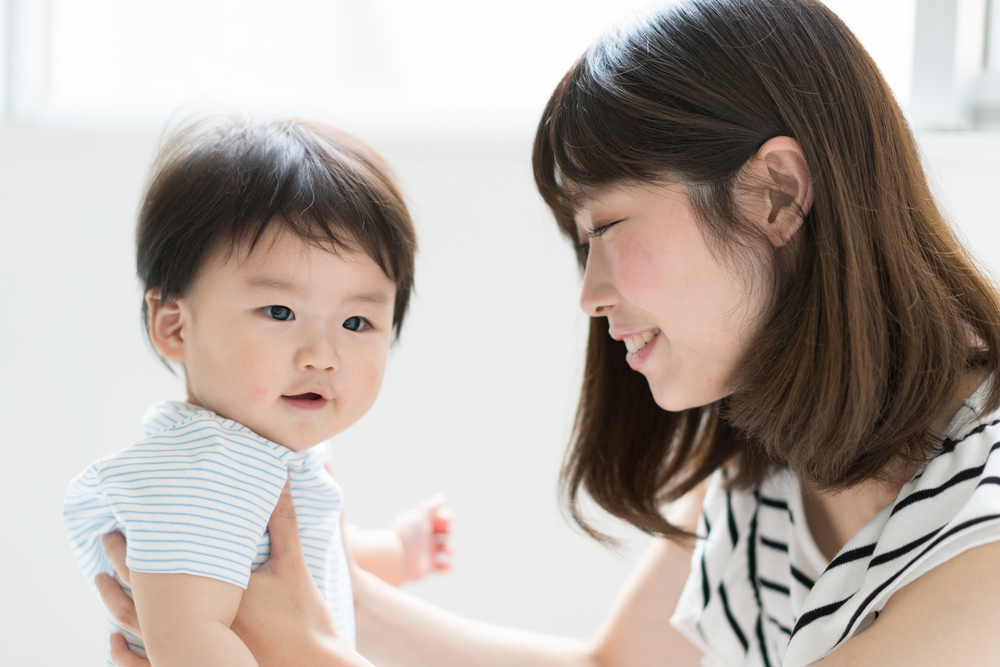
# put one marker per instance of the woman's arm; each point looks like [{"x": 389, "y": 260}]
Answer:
[{"x": 395, "y": 629}]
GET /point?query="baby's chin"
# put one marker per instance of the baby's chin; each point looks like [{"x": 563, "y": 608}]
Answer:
[
  {"x": 296, "y": 442},
  {"x": 299, "y": 441},
  {"x": 298, "y": 446}
]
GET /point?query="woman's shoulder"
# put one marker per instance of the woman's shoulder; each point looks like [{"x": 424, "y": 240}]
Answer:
[
  {"x": 948, "y": 508},
  {"x": 919, "y": 566},
  {"x": 759, "y": 586}
]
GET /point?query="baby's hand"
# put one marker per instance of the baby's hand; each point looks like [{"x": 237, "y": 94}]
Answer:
[{"x": 424, "y": 532}]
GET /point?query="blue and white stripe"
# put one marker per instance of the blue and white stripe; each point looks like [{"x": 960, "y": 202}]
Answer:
[{"x": 194, "y": 497}]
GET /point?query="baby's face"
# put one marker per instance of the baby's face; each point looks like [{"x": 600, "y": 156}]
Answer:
[{"x": 290, "y": 341}]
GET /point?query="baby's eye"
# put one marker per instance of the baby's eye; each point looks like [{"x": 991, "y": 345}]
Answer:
[
  {"x": 356, "y": 323},
  {"x": 281, "y": 313}
]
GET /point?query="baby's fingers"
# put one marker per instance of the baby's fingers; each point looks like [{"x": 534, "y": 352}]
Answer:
[
  {"x": 122, "y": 656},
  {"x": 442, "y": 553},
  {"x": 121, "y": 608},
  {"x": 441, "y": 560},
  {"x": 442, "y": 518}
]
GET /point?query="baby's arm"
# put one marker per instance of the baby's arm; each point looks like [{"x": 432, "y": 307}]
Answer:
[
  {"x": 415, "y": 545},
  {"x": 185, "y": 620}
]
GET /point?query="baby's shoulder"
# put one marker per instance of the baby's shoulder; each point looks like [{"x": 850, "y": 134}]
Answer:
[{"x": 181, "y": 437}]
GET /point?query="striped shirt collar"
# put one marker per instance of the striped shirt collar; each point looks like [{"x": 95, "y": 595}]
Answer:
[{"x": 167, "y": 415}]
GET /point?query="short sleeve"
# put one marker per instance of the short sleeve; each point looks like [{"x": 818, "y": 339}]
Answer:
[
  {"x": 194, "y": 499},
  {"x": 87, "y": 517}
]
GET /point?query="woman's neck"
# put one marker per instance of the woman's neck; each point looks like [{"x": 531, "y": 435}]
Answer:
[{"x": 835, "y": 517}]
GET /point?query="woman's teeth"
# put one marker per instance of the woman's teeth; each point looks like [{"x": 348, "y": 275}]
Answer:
[{"x": 638, "y": 341}]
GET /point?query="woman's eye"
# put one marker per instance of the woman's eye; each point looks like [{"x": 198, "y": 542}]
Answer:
[
  {"x": 598, "y": 232},
  {"x": 281, "y": 313},
  {"x": 356, "y": 323}
]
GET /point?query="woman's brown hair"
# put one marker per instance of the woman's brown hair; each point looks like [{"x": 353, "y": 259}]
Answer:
[{"x": 871, "y": 327}]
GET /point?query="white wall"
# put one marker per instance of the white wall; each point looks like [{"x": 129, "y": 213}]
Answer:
[{"x": 477, "y": 402}]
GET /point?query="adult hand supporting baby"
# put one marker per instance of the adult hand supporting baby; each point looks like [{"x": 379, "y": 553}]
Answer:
[{"x": 282, "y": 618}]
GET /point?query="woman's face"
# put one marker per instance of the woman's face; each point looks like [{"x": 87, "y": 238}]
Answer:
[{"x": 685, "y": 313}]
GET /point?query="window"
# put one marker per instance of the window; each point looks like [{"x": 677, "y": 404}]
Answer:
[
  {"x": 398, "y": 66},
  {"x": 439, "y": 65}
]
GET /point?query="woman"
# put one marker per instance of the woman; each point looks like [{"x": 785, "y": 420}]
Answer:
[{"x": 816, "y": 357}]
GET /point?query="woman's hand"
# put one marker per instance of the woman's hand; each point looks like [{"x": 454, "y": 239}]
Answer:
[
  {"x": 283, "y": 618},
  {"x": 119, "y": 604}
]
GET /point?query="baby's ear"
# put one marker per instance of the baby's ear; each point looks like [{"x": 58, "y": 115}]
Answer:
[{"x": 166, "y": 326}]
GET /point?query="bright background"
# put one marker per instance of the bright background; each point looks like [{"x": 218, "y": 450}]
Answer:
[{"x": 479, "y": 396}]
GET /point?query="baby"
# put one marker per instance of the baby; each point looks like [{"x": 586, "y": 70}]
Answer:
[{"x": 277, "y": 261}]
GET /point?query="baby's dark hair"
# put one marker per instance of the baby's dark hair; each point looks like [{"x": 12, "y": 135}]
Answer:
[{"x": 219, "y": 184}]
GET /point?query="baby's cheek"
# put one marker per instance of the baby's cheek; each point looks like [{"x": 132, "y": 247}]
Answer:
[
  {"x": 258, "y": 394},
  {"x": 373, "y": 380},
  {"x": 257, "y": 389},
  {"x": 368, "y": 384}
]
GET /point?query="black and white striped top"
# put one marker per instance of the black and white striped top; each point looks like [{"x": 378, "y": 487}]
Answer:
[{"x": 760, "y": 594}]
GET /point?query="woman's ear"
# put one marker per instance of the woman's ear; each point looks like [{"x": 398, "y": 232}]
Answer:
[
  {"x": 788, "y": 192},
  {"x": 166, "y": 326}
]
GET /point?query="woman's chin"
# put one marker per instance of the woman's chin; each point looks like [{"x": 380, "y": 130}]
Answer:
[{"x": 673, "y": 398}]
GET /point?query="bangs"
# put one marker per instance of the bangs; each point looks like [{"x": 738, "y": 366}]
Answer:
[
  {"x": 574, "y": 153},
  {"x": 310, "y": 180},
  {"x": 611, "y": 122}
]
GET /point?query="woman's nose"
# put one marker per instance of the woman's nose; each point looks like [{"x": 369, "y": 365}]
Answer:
[
  {"x": 317, "y": 350},
  {"x": 598, "y": 293}
]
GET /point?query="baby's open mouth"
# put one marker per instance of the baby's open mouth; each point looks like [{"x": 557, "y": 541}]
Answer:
[{"x": 310, "y": 396}]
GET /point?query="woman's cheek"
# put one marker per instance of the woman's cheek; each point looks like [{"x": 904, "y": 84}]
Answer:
[{"x": 638, "y": 269}]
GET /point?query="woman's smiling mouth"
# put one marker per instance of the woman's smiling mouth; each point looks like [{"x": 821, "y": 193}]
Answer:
[
  {"x": 639, "y": 340},
  {"x": 640, "y": 346}
]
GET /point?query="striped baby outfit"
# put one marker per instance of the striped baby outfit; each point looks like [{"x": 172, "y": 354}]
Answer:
[
  {"x": 194, "y": 496},
  {"x": 760, "y": 593}
]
